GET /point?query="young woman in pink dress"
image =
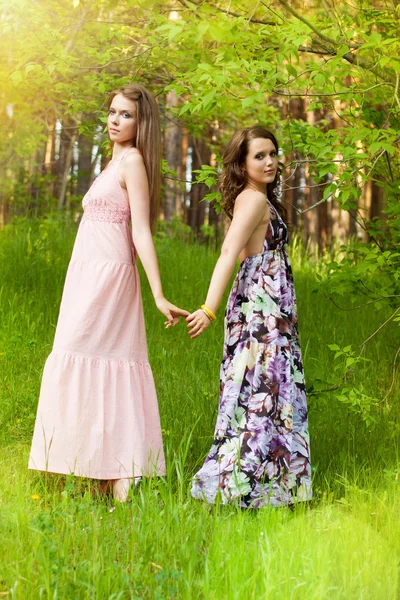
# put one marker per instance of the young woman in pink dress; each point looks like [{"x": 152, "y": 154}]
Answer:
[{"x": 98, "y": 415}]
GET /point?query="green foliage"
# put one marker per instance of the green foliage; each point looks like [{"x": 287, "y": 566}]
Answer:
[
  {"x": 229, "y": 67},
  {"x": 233, "y": 66},
  {"x": 353, "y": 397},
  {"x": 209, "y": 176},
  {"x": 364, "y": 269}
]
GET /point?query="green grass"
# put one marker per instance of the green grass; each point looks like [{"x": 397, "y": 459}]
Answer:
[{"x": 59, "y": 539}]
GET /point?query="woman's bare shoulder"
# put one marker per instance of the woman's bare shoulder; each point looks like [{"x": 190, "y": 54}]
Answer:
[
  {"x": 257, "y": 200},
  {"x": 132, "y": 157}
]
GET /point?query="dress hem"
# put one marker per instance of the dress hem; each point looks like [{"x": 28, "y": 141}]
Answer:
[
  {"x": 271, "y": 499},
  {"x": 159, "y": 473}
]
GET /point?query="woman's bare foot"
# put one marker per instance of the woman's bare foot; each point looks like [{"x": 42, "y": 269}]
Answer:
[
  {"x": 121, "y": 489},
  {"x": 103, "y": 488}
]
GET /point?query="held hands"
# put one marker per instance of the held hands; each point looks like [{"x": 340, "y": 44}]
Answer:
[
  {"x": 170, "y": 311},
  {"x": 199, "y": 321}
]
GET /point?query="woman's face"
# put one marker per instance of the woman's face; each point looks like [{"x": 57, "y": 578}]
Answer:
[
  {"x": 121, "y": 122},
  {"x": 261, "y": 163}
]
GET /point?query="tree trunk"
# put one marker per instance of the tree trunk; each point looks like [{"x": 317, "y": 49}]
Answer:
[
  {"x": 323, "y": 222},
  {"x": 377, "y": 201},
  {"x": 61, "y": 145},
  {"x": 200, "y": 155},
  {"x": 85, "y": 145},
  {"x": 294, "y": 197},
  {"x": 181, "y": 207},
  {"x": 317, "y": 220},
  {"x": 38, "y": 201},
  {"x": 173, "y": 156},
  {"x": 67, "y": 159},
  {"x": 4, "y": 200}
]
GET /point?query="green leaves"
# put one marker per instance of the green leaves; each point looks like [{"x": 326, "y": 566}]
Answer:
[
  {"x": 360, "y": 403},
  {"x": 346, "y": 363},
  {"x": 227, "y": 71},
  {"x": 207, "y": 175}
]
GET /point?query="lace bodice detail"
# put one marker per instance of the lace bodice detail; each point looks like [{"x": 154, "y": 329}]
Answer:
[{"x": 100, "y": 210}]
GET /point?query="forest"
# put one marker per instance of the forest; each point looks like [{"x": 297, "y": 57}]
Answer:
[
  {"x": 324, "y": 76},
  {"x": 327, "y": 85}
]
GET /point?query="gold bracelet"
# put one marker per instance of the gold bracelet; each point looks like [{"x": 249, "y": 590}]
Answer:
[
  {"x": 207, "y": 315},
  {"x": 209, "y": 312}
]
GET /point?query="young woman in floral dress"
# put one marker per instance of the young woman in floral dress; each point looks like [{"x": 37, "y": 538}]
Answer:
[
  {"x": 98, "y": 414},
  {"x": 260, "y": 454}
]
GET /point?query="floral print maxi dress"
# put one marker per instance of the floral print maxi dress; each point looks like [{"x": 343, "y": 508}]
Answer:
[{"x": 260, "y": 454}]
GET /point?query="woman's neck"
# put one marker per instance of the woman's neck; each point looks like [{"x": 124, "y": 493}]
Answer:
[
  {"x": 119, "y": 149},
  {"x": 256, "y": 187}
]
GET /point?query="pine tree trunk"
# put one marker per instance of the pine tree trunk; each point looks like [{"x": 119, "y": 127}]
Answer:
[
  {"x": 377, "y": 201},
  {"x": 294, "y": 197},
  {"x": 85, "y": 145},
  {"x": 201, "y": 155},
  {"x": 173, "y": 156},
  {"x": 67, "y": 159},
  {"x": 181, "y": 206},
  {"x": 38, "y": 203},
  {"x": 316, "y": 224}
]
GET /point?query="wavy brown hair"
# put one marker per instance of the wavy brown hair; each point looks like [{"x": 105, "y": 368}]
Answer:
[
  {"x": 148, "y": 138},
  {"x": 233, "y": 179}
]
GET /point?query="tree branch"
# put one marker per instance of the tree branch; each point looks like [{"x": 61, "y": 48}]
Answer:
[
  {"x": 361, "y": 305},
  {"x": 303, "y": 212},
  {"x": 273, "y": 12},
  {"x": 306, "y": 22},
  {"x": 321, "y": 94},
  {"x": 312, "y": 50},
  {"x": 349, "y": 56},
  {"x": 393, "y": 374},
  {"x": 112, "y": 62},
  {"x": 179, "y": 180},
  {"x": 299, "y": 187},
  {"x": 228, "y": 12},
  {"x": 379, "y": 329}
]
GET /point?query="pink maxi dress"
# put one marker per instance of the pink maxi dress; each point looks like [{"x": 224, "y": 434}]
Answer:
[{"x": 98, "y": 414}]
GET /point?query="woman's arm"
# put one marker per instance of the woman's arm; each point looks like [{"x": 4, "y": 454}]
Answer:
[
  {"x": 250, "y": 207},
  {"x": 134, "y": 176}
]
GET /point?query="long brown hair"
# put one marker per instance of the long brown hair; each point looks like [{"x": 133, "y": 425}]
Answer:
[
  {"x": 148, "y": 138},
  {"x": 233, "y": 179}
]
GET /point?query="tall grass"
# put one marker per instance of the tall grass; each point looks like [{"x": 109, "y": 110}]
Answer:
[{"x": 60, "y": 539}]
